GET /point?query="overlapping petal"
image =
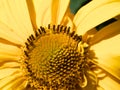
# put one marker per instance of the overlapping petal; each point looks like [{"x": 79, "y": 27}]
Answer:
[
  {"x": 59, "y": 8},
  {"x": 108, "y": 49},
  {"x": 50, "y": 12},
  {"x": 9, "y": 49},
  {"x": 32, "y": 13},
  {"x": 16, "y": 25},
  {"x": 10, "y": 82},
  {"x": 15, "y": 15},
  {"x": 106, "y": 33},
  {"x": 42, "y": 7},
  {"x": 8, "y": 35},
  {"x": 108, "y": 84},
  {"x": 6, "y": 72},
  {"x": 94, "y": 13}
]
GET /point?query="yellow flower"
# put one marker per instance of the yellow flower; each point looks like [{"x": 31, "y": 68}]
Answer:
[{"x": 38, "y": 49}]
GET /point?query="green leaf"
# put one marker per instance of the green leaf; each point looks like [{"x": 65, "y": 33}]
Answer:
[{"x": 75, "y": 5}]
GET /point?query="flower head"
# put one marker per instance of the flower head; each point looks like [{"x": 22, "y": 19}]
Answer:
[{"x": 43, "y": 46}]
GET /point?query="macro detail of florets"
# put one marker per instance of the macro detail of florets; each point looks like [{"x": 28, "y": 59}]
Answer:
[{"x": 54, "y": 60}]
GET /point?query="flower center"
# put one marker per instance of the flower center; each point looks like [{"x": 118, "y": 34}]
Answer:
[{"x": 52, "y": 59}]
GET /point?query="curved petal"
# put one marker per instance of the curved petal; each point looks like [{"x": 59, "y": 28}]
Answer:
[
  {"x": 10, "y": 79},
  {"x": 8, "y": 58},
  {"x": 106, "y": 33},
  {"x": 9, "y": 65},
  {"x": 15, "y": 15},
  {"x": 89, "y": 34},
  {"x": 46, "y": 18},
  {"x": 108, "y": 55},
  {"x": 41, "y": 6},
  {"x": 94, "y": 13},
  {"x": 23, "y": 85},
  {"x": 32, "y": 13},
  {"x": 14, "y": 84},
  {"x": 9, "y": 49},
  {"x": 108, "y": 84},
  {"x": 68, "y": 20},
  {"x": 59, "y": 8},
  {"x": 8, "y": 34},
  {"x": 6, "y": 72}
]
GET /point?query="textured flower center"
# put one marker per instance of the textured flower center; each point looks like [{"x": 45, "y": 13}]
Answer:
[{"x": 52, "y": 59}]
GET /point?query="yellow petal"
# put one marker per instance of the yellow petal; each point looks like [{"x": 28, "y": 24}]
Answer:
[
  {"x": 14, "y": 84},
  {"x": 9, "y": 79},
  {"x": 41, "y": 6},
  {"x": 59, "y": 8},
  {"x": 89, "y": 34},
  {"x": 106, "y": 33},
  {"x": 15, "y": 15},
  {"x": 68, "y": 20},
  {"x": 9, "y": 49},
  {"x": 32, "y": 13},
  {"x": 46, "y": 18},
  {"x": 6, "y": 72},
  {"x": 8, "y": 53},
  {"x": 9, "y": 34},
  {"x": 94, "y": 13},
  {"x": 8, "y": 58},
  {"x": 109, "y": 84},
  {"x": 9, "y": 65},
  {"x": 23, "y": 85},
  {"x": 108, "y": 55}
]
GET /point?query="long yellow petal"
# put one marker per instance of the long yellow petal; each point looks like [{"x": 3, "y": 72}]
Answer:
[
  {"x": 68, "y": 19},
  {"x": 59, "y": 8},
  {"x": 8, "y": 58},
  {"x": 41, "y": 6},
  {"x": 46, "y": 18},
  {"x": 9, "y": 34},
  {"x": 14, "y": 84},
  {"x": 106, "y": 33},
  {"x": 6, "y": 72},
  {"x": 15, "y": 15},
  {"x": 9, "y": 65},
  {"x": 7, "y": 80},
  {"x": 94, "y": 13},
  {"x": 32, "y": 13},
  {"x": 109, "y": 84},
  {"x": 9, "y": 49},
  {"x": 108, "y": 55},
  {"x": 89, "y": 34}
]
